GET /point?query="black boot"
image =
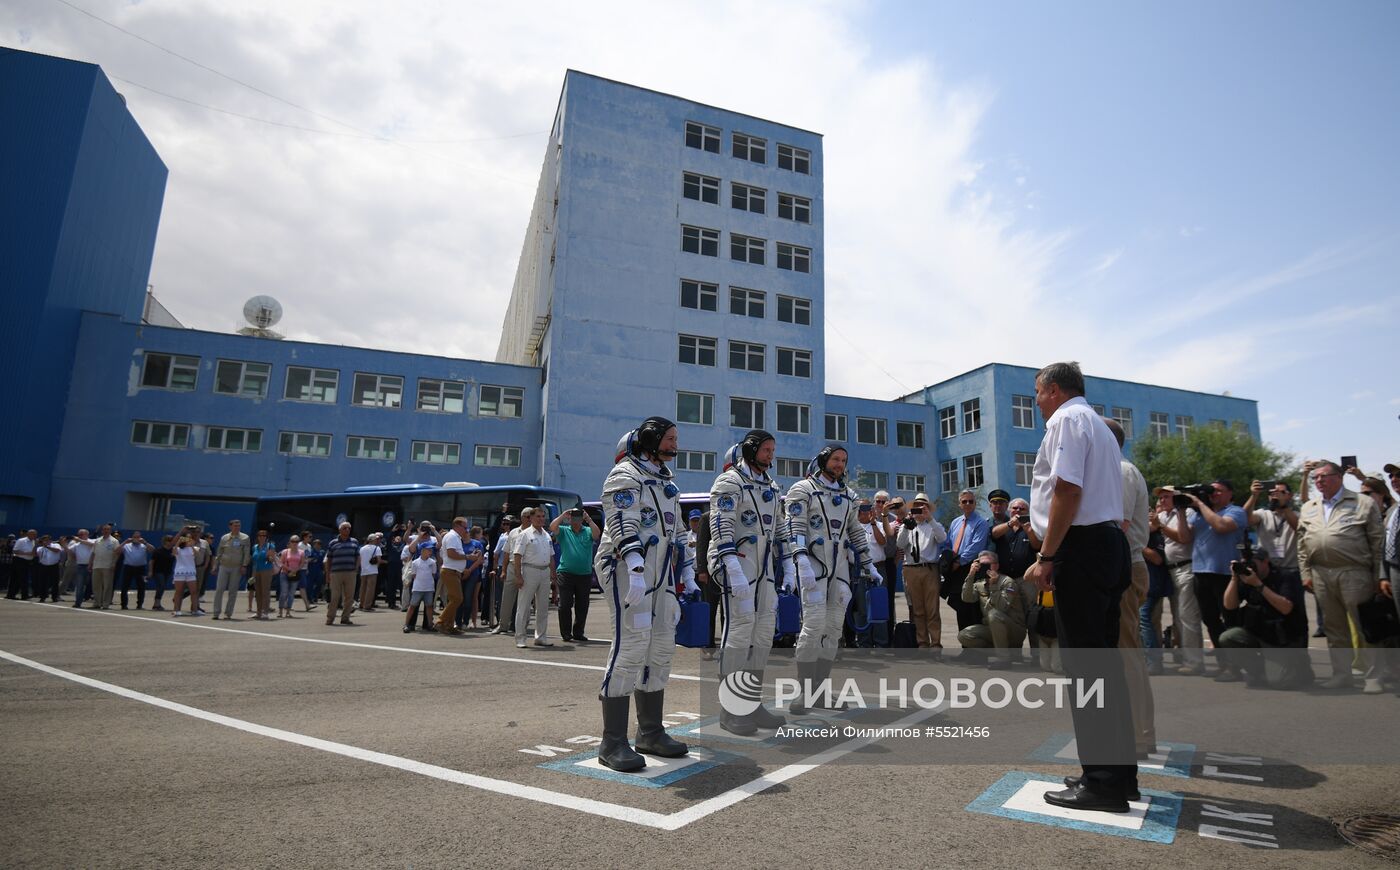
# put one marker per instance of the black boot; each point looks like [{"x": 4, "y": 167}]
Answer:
[
  {"x": 651, "y": 734},
  {"x": 614, "y": 751},
  {"x": 763, "y": 717},
  {"x": 806, "y": 682}
]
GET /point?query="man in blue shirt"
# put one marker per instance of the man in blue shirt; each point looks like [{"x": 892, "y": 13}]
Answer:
[
  {"x": 1215, "y": 532},
  {"x": 968, "y": 535}
]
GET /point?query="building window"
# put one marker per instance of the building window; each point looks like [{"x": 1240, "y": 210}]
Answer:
[
  {"x": 745, "y": 356},
  {"x": 149, "y": 433},
  {"x": 746, "y": 197},
  {"x": 304, "y": 444},
  {"x": 702, "y": 136},
  {"x": 907, "y": 434},
  {"x": 836, "y": 427},
  {"x": 750, "y": 148},
  {"x": 1025, "y": 468},
  {"x": 311, "y": 385},
  {"x": 695, "y": 460},
  {"x": 909, "y": 482},
  {"x": 871, "y": 430},
  {"x": 948, "y": 475},
  {"x": 491, "y": 456},
  {"x": 796, "y": 159},
  {"x": 699, "y": 295},
  {"x": 794, "y": 362},
  {"x": 241, "y": 440},
  {"x": 1098, "y": 409},
  {"x": 1217, "y": 424},
  {"x": 1159, "y": 424},
  {"x": 795, "y": 208},
  {"x": 748, "y": 303},
  {"x": 794, "y": 258},
  {"x": 494, "y": 401},
  {"x": 972, "y": 415},
  {"x": 791, "y": 468},
  {"x": 1239, "y": 426},
  {"x": 871, "y": 481},
  {"x": 700, "y": 187},
  {"x": 698, "y": 240},
  {"x": 1184, "y": 425},
  {"x": 972, "y": 470},
  {"x": 746, "y": 249},
  {"x": 377, "y": 391},
  {"x": 169, "y": 372},
  {"x": 746, "y": 413},
  {"x": 437, "y": 452},
  {"x": 697, "y": 350},
  {"x": 365, "y": 447},
  {"x": 947, "y": 422},
  {"x": 697, "y": 408},
  {"x": 1023, "y": 412},
  {"x": 794, "y": 310},
  {"x": 794, "y": 418},
  {"x": 449, "y": 397},
  {"x": 1124, "y": 417},
  {"x": 247, "y": 379}
]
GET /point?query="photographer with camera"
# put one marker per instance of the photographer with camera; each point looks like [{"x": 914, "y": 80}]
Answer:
[
  {"x": 920, "y": 536},
  {"x": 1214, "y": 531},
  {"x": 1276, "y": 523},
  {"x": 1003, "y": 627},
  {"x": 1187, "y": 633},
  {"x": 575, "y": 533},
  {"x": 1270, "y": 644}
]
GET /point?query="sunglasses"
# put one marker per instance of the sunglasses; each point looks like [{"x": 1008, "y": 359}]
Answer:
[{"x": 966, "y": 501}]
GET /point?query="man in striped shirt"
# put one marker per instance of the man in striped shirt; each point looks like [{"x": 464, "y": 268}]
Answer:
[{"x": 342, "y": 564}]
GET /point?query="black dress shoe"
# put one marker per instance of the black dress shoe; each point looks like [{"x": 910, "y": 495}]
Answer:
[
  {"x": 1074, "y": 782},
  {"x": 1081, "y": 798}
]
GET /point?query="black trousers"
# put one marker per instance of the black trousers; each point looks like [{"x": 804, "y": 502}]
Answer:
[
  {"x": 1092, "y": 570},
  {"x": 713, "y": 595},
  {"x": 20, "y": 571},
  {"x": 134, "y": 574},
  {"x": 1210, "y": 595},
  {"x": 969, "y": 612},
  {"x": 46, "y": 581},
  {"x": 574, "y": 590}
]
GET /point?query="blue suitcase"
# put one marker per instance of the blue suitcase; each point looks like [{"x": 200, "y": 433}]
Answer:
[
  {"x": 694, "y": 628},
  {"x": 878, "y": 607},
  {"x": 789, "y": 614}
]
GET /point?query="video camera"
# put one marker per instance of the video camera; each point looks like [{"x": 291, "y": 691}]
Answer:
[
  {"x": 1244, "y": 565},
  {"x": 1202, "y": 491}
]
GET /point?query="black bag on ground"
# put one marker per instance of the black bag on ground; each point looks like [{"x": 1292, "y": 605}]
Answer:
[
  {"x": 1379, "y": 621},
  {"x": 1042, "y": 618},
  {"x": 904, "y": 636}
]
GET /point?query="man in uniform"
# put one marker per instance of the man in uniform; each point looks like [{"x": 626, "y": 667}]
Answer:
[
  {"x": 1003, "y": 626},
  {"x": 744, "y": 507},
  {"x": 1340, "y": 555},
  {"x": 820, "y": 517},
  {"x": 643, "y": 536}
]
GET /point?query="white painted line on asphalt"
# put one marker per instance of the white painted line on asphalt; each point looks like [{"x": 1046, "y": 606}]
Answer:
[{"x": 193, "y": 623}]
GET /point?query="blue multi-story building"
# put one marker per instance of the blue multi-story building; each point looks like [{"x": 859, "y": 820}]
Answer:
[{"x": 672, "y": 265}]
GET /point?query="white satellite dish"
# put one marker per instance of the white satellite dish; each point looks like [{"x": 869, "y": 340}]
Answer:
[{"x": 262, "y": 311}]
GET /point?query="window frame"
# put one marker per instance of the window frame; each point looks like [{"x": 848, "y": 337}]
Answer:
[
  {"x": 393, "y": 443},
  {"x": 1180, "y": 430},
  {"x": 748, "y": 299},
  {"x": 505, "y": 396},
  {"x": 1024, "y": 462},
  {"x": 796, "y": 207},
  {"x": 240, "y": 391},
  {"x": 294, "y": 435},
  {"x": 796, "y": 357},
  {"x": 916, "y": 482},
  {"x": 150, "y": 430},
  {"x": 707, "y": 404},
  {"x": 799, "y": 257},
  {"x": 795, "y": 304},
  {"x": 748, "y": 351},
  {"x": 804, "y": 418},
  {"x": 428, "y": 446},
  {"x": 1124, "y": 417},
  {"x": 442, "y": 386},
  {"x": 945, "y": 482},
  {"x": 701, "y": 289},
  {"x": 1022, "y": 409},
  {"x": 916, "y": 430},
  {"x": 697, "y": 350},
  {"x": 749, "y": 194},
  {"x": 882, "y": 434},
  {"x": 707, "y": 461},
  {"x": 799, "y": 464},
  {"x": 947, "y": 422},
  {"x": 379, "y": 388},
  {"x": 702, "y": 185},
  {"x": 312, "y": 385},
  {"x": 754, "y": 250},
  {"x": 970, "y": 463},
  {"x": 751, "y": 144},
  {"x": 703, "y": 134},
  {"x": 1159, "y": 424},
  {"x": 705, "y": 240},
  {"x": 222, "y": 447},
  {"x": 477, "y": 455},
  {"x": 174, "y": 362},
  {"x": 972, "y": 415},
  {"x": 794, "y": 156},
  {"x": 842, "y": 427},
  {"x": 757, "y": 420}
]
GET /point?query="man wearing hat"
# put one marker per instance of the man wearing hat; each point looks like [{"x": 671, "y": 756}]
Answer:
[
  {"x": 575, "y": 541},
  {"x": 919, "y": 538}
]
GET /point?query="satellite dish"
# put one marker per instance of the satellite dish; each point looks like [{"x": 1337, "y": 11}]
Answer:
[{"x": 262, "y": 311}]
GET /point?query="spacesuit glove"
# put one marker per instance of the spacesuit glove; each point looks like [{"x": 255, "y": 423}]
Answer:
[
  {"x": 738, "y": 582},
  {"x": 789, "y": 577},
  {"x": 636, "y": 578},
  {"x": 690, "y": 586},
  {"x": 875, "y": 575},
  {"x": 805, "y": 574}
]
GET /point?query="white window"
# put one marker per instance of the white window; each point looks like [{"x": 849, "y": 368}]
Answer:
[
  {"x": 907, "y": 434},
  {"x": 1124, "y": 417},
  {"x": 1217, "y": 424},
  {"x": 746, "y": 413},
  {"x": 836, "y": 427},
  {"x": 449, "y": 397},
  {"x": 491, "y": 456},
  {"x": 746, "y": 356},
  {"x": 1098, "y": 409},
  {"x": 909, "y": 482},
  {"x": 437, "y": 452},
  {"x": 1025, "y": 468},
  {"x": 948, "y": 475},
  {"x": 794, "y": 362},
  {"x": 697, "y": 350},
  {"x": 746, "y": 197},
  {"x": 794, "y": 310},
  {"x": 702, "y": 188},
  {"x": 794, "y": 418},
  {"x": 795, "y": 159},
  {"x": 225, "y": 438},
  {"x": 699, "y": 295},
  {"x": 1184, "y": 425},
  {"x": 870, "y": 481},
  {"x": 695, "y": 460},
  {"x": 750, "y": 148},
  {"x": 795, "y": 208},
  {"x": 170, "y": 372},
  {"x": 947, "y": 422},
  {"x": 794, "y": 258},
  {"x": 748, "y": 303},
  {"x": 366, "y": 447},
  {"x": 972, "y": 416},
  {"x": 304, "y": 444},
  {"x": 1023, "y": 412},
  {"x": 1160, "y": 424},
  {"x": 237, "y": 378},
  {"x": 698, "y": 240},
  {"x": 697, "y": 408},
  {"x": 377, "y": 391},
  {"x": 494, "y": 401},
  {"x": 791, "y": 467},
  {"x": 871, "y": 430},
  {"x": 972, "y": 470},
  {"x": 311, "y": 385},
  {"x": 702, "y": 136},
  {"x": 746, "y": 249},
  {"x": 149, "y": 433}
]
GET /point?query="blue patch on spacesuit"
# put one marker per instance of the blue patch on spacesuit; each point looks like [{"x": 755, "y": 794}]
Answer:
[
  {"x": 835, "y": 524},
  {"x": 795, "y": 509},
  {"x": 726, "y": 502},
  {"x": 624, "y": 500},
  {"x": 767, "y": 518},
  {"x": 748, "y": 518},
  {"x": 648, "y": 517},
  {"x": 671, "y": 490},
  {"x": 768, "y": 495},
  {"x": 670, "y": 518}
]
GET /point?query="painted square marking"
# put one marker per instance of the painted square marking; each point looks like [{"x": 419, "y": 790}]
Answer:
[
  {"x": 658, "y": 773},
  {"x": 1020, "y": 796},
  {"x": 1170, "y": 759}
]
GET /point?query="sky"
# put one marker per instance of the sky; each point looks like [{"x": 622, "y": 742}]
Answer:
[{"x": 1195, "y": 194}]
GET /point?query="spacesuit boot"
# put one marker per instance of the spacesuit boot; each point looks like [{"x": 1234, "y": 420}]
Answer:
[
  {"x": 807, "y": 681},
  {"x": 763, "y": 717},
  {"x": 651, "y": 734},
  {"x": 614, "y": 751}
]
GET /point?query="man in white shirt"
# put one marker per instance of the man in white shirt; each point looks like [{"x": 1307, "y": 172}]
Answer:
[
  {"x": 919, "y": 538},
  {"x": 136, "y": 565},
  {"x": 509, "y": 590},
  {"x": 22, "y": 568},
  {"x": 531, "y": 557},
  {"x": 81, "y": 548},
  {"x": 1077, "y": 514},
  {"x": 1135, "y": 527},
  {"x": 454, "y": 562},
  {"x": 104, "y": 566},
  {"x": 370, "y": 555}
]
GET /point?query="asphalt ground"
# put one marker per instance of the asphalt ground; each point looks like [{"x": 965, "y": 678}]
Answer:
[{"x": 132, "y": 739}]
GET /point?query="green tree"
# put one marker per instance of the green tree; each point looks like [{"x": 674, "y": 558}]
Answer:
[{"x": 1208, "y": 453}]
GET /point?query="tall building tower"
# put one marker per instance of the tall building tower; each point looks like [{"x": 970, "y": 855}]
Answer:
[{"x": 672, "y": 265}]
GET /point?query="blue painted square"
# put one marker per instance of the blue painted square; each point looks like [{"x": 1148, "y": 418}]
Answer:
[
  {"x": 716, "y": 733},
  {"x": 1158, "y": 824},
  {"x": 706, "y": 759},
  {"x": 1177, "y": 762}
]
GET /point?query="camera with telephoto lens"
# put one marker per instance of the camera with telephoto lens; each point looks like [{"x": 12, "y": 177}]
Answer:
[
  {"x": 981, "y": 571},
  {"x": 1202, "y": 491},
  {"x": 1244, "y": 565}
]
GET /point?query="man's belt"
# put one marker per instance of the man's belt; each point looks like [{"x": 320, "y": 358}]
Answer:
[
  {"x": 1173, "y": 565},
  {"x": 532, "y": 565}
]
